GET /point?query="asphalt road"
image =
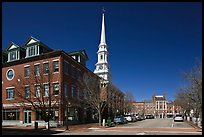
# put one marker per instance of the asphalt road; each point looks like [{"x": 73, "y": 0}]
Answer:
[
  {"x": 158, "y": 126},
  {"x": 146, "y": 127}
]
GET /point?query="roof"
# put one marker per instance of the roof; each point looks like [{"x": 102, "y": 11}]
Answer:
[
  {"x": 81, "y": 52},
  {"x": 147, "y": 101},
  {"x": 36, "y": 41}
]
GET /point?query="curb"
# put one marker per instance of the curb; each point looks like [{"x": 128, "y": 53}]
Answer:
[{"x": 193, "y": 125}]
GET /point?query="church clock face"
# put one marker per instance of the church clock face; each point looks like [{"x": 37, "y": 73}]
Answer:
[{"x": 100, "y": 67}]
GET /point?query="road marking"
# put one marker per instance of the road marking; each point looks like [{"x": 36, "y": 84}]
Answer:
[{"x": 142, "y": 133}]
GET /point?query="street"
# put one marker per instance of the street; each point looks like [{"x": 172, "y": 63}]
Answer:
[
  {"x": 157, "y": 126},
  {"x": 146, "y": 127}
]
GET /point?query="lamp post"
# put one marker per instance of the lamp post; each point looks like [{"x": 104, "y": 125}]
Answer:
[{"x": 67, "y": 113}]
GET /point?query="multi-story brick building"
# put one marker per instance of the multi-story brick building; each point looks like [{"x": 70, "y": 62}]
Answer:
[
  {"x": 170, "y": 109},
  {"x": 138, "y": 107},
  {"x": 160, "y": 103},
  {"x": 25, "y": 64},
  {"x": 30, "y": 68},
  {"x": 149, "y": 107}
]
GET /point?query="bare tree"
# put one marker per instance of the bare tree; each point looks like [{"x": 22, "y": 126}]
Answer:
[
  {"x": 32, "y": 91},
  {"x": 127, "y": 102},
  {"x": 190, "y": 96},
  {"x": 95, "y": 93}
]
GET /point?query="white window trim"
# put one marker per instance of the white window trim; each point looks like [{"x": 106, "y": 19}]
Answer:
[
  {"x": 13, "y": 74},
  {"x": 43, "y": 89},
  {"x": 9, "y": 87},
  {"x": 26, "y": 66},
  {"x": 55, "y": 60},
  {"x": 55, "y": 72},
  {"x": 39, "y": 68},
  {"x": 55, "y": 82},
  {"x": 35, "y": 91},
  {"x": 46, "y": 62},
  {"x": 29, "y": 91},
  {"x": 6, "y": 93},
  {"x": 36, "y": 64}
]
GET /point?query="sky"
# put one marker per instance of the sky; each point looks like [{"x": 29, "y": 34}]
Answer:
[{"x": 150, "y": 44}]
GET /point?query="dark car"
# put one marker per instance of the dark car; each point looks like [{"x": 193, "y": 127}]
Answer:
[
  {"x": 149, "y": 116},
  {"x": 120, "y": 120}
]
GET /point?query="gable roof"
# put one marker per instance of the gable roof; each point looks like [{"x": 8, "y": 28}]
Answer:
[
  {"x": 81, "y": 52},
  {"x": 32, "y": 40},
  {"x": 12, "y": 46}
]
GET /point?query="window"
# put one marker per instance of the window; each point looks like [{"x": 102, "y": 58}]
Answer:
[
  {"x": 56, "y": 88},
  {"x": 10, "y": 93},
  {"x": 37, "y": 91},
  {"x": 27, "y": 92},
  {"x": 101, "y": 57},
  {"x": 65, "y": 89},
  {"x": 46, "y": 90},
  {"x": 26, "y": 71},
  {"x": 66, "y": 68},
  {"x": 77, "y": 73},
  {"x": 13, "y": 55},
  {"x": 55, "y": 66},
  {"x": 37, "y": 70},
  {"x": 11, "y": 114},
  {"x": 72, "y": 90},
  {"x": 31, "y": 51},
  {"x": 160, "y": 107},
  {"x": 46, "y": 68},
  {"x": 10, "y": 74}
]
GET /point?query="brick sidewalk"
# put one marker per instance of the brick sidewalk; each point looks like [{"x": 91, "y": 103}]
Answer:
[{"x": 79, "y": 127}]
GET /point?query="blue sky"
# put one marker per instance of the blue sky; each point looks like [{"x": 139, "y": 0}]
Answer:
[{"x": 150, "y": 44}]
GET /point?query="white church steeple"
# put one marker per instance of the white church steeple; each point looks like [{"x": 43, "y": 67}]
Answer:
[
  {"x": 102, "y": 66},
  {"x": 103, "y": 37}
]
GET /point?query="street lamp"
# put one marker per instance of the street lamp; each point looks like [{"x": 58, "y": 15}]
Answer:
[{"x": 67, "y": 108}]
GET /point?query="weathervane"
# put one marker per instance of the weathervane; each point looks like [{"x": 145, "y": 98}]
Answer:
[{"x": 103, "y": 10}]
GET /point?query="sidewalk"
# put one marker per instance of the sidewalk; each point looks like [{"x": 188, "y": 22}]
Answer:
[
  {"x": 193, "y": 125},
  {"x": 76, "y": 128},
  {"x": 19, "y": 130}
]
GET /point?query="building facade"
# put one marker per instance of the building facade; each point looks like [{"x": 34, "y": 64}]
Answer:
[
  {"x": 32, "y": 73},
  {"x": 160, "y": 103}
]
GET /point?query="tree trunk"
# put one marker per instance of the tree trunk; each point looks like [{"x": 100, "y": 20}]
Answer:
[
  {"x": 99, "y": 118},
  {"x": 48, "y": 125}
]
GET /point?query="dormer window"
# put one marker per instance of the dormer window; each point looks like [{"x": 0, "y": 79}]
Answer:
[
  {"x": 13, "y": 52},
  {"x": 13, "y": 55},
  {"x": 32, "y": 51}
]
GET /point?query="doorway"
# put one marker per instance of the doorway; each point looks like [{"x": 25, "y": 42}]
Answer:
[{"x": 27, "y": 117}]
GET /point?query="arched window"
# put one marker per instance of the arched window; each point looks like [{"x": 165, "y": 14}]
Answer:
[{"x": 101, "y": 57}]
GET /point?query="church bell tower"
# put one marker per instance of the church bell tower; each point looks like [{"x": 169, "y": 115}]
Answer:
[{"x": 102, "y": 66}]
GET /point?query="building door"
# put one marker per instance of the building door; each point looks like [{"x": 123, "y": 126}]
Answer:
[{"x": 27, "y": 116}]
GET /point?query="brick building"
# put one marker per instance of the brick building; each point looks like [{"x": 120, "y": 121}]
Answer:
[
  {"x": 160, "y": 103},
  {"x": 23, "y": 64}
]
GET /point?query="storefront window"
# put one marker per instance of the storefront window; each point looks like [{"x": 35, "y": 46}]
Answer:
[
  {"x": 11, "y": 114},
  {"x": 54, "y": 115}
]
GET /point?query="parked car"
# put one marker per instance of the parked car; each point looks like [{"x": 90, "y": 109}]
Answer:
[
  {"x": 179, "y": 117},
  {"x": 149, "y": 116},
  {"x": 130, "y": 118},
  {"x": 134, "y": 119},
  {"x": 137, "y": 116},
  {"x": 142, "y": 117},
  {"x": 120, "y": 120}
]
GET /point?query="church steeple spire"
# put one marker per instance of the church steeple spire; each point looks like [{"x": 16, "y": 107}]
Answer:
[
  {"x": 103, "y": 36},
  {"x": 102, "y": 66}
]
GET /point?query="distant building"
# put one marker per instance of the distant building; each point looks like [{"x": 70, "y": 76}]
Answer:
[
  {"x": 149, "y": 107},
  {"x": 138, "y": 108},
  {"x": 170, "y": 109},
  {"x": 160, "y": 103}
]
